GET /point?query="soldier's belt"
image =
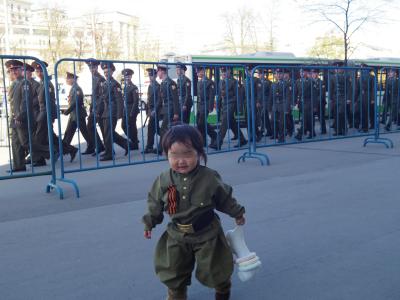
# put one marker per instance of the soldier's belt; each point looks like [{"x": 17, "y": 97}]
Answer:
[{"x": 200, "y": 223}]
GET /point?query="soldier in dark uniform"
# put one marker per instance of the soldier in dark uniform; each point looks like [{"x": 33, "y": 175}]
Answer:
[
  {"x": 303, "y": 101},
  {"x": 228, "y": 87},
  {"x": 154, "y": 106},
  {"x": 263, "y": 103},
  {"x": 281, "y": 92},
  {"x": 41, "y": 134},
  {"x": 340, "y": 93},
  {"x": 320, "y": 113},
  {"x": 170, "y": 101},
  {"x": 365, "y": 100},
  {"x": 111, "y": 96},
  {"x": 21, "y": 119},
  {"x": 391, "y": 99},
  {"x": 190, "y": 193},
  {"x": 205, "y": 105},
  {"x": 184, "y": 92},
  {"x": 35, "y": 88},
  {"x": 289, "y": 120},
  {"x": 77, "y": 115},
  {"x": 95, "y": 144},
  {"x": 131, "y": 108}
]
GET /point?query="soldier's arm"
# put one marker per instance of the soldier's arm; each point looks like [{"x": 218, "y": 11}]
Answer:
[
  {"x": 211, "y": 96},
  {"x": 188, "y": 87},
  {"x": 73, "y": 94},
  {"x": 135, "y": 105},
  {"x": 175, "y": 98}
]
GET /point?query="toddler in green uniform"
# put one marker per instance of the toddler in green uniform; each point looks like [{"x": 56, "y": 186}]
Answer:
[{"x": 189, "y": 193}]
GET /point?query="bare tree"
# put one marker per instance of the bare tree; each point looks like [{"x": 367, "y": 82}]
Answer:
[
  {"x": 240, "y": 32},
  {"x": 347, "y": 16},
  {"x": 328, "y": 46},
  {"x": 56, "y": 26}
]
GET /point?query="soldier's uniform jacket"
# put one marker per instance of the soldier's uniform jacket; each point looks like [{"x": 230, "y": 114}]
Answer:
[
  {"x": 153, "y": 97},
  {"x": 319, "y": 99},
  {"x": 42, "y": 102},
  {"x": 262, "y": 89},
  {"x": 308, "y": 94},
  {"x": 365, "y": 88},
  {"x": 169, "y": 97},
  {"x": 391, "y": 95},
  {"x": 280, "y": 95},
  {"x": 35, "y": 101},
  {"x": 96, "y": 105},
  {"x": 198, "y": 192},
  {"x": 131, "y": 98},
  {"x": 205, "y": 95},
  {"x": 20, "y": 97},
  {"x": 228, "y": 89},
  {"x": 185, "y": 91},
  {"x": 340, "y": 91},
  {"x": 75, "y": 97},
  {"x": 112, "y": 99}
]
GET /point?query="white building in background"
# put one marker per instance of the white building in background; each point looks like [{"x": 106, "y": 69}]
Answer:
[{"x": 25, "y": 31}]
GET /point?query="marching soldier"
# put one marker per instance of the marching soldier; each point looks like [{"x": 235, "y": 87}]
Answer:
[
  {"x": 339, "y": 91},
  {"x": 131, "y": 108},
  {"x": 320, "y": 113},
  {"x": 95, "y": 145},
  {"x": 365, "y": 100},
  {"x": 391, "y": 99},
  {"x": 77, "y": 116},
  {"x": 170, "y": 101},
  {"x": 154, "y": 106},
  {"x": 263, "y": 103},
  {"x": 281, "y": 91},
  {"x": 228, "y": 105},
  {"x": 303, "y": 100},
  {"x": 41, "y": 134},
  {"x": 111, "y": 96},
  {"x": 21, "y": 122},
  {"x": 184, "y": 92},
  {"x": 205, "y": 105}
]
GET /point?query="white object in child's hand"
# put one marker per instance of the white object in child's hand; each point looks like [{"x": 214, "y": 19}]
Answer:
[{"x": 248, "y": 262}]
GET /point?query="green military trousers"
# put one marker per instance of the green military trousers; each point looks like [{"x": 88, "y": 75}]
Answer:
[{"x": 175, "y": 260}]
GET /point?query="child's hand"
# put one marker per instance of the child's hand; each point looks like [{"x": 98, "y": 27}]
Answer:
[
  {"x": 240, "y": 220},
  {"x": 147, "y": 234}
]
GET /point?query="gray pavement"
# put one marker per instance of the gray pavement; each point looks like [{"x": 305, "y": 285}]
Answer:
[{"x": 323, "y": 217}]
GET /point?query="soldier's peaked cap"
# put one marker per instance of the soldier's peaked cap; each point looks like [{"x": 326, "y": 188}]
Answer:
[
  {"x": 127, "y": 72},
  {"x": 37, "y": 66},
  {"x": 71, "y": 75},
  {"x": 29, "y": 68},
  {"x": 106, "y": 65},
  {"x": 91, "y": 62},
  {"x": 151, "y": 71},
  {"x": 181, "y": 66},
  {"x": 13, "y": 63},
  {"x": 163, "y": 67}
]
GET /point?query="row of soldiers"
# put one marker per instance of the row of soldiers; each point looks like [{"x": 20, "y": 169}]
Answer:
[{"x": 351, "y": 95}]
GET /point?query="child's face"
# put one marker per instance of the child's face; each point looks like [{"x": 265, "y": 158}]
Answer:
[{"x": 181, "y": 158}]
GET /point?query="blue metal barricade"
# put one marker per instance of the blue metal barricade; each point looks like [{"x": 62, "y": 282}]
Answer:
[{"x": 26, "y": 129}]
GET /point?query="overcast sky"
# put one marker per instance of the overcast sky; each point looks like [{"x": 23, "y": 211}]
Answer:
[{"x": 199, "y": 23}]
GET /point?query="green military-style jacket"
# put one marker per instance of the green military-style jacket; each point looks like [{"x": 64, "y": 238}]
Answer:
[
  {"x": 197, "y": 192},
  {"x": 205, "y": 96},
  {"x": 169, "y": 97},
  {"x": 76, "y": 96},
  {"x": 131, "y": 99},
  {"x": 184, "y": 91},
  {"x": 20, "y": 97},
  {"x": 42, "y": 101},
  {"x": 96, "y": 105}
]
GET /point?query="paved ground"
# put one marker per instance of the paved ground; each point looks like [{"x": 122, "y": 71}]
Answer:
[{"x": 324, "y": 219}]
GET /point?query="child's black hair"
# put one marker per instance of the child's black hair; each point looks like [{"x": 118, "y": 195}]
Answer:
[{"x": 187, "y": 135}]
